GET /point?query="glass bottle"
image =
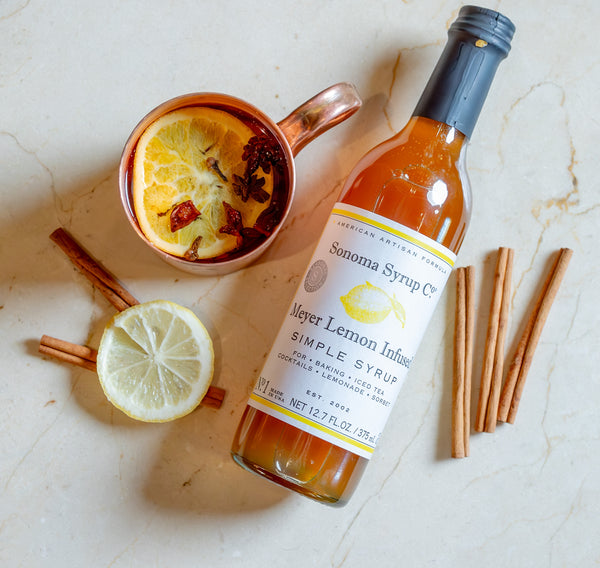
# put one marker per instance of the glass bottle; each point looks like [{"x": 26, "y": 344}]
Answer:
[{"x": 379, "y": 268}]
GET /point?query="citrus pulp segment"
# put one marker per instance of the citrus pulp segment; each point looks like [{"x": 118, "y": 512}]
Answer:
[
  {"x": 155, "y": 361},
  {"x": 193, "y": 154}
]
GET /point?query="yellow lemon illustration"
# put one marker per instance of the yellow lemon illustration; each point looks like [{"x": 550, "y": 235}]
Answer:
[
  {"x": 369, "y": 304},
  {"x": 399, "y": 311}
]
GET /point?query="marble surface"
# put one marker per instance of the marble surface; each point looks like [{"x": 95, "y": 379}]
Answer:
[{"x": 83, "y": 485}]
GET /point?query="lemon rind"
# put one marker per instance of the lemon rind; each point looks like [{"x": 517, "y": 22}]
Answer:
[{"x": 167, "y": 412}]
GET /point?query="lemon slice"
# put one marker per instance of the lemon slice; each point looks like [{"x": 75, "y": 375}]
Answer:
[
  {"x": 155, "y": 361},
  {"x": 193, "y": 154}
]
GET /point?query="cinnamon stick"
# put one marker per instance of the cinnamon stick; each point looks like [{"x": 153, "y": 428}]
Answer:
[
  {"x": 80, "y": 355},
  {"x": 515, "y": 366},
  {"x": 85, "y": 357},
  {"x": 491, "y": 339},
  {"x": 498, "y": 367},
  {"x": 521, "y": 363},
  {"x": 116, "y": 294},
  {"x": 458, "y": 384},
  {"x": 108, "y": 285},
  {"x": 463, "y": 357},
  {"x": 213, "y": 398}
]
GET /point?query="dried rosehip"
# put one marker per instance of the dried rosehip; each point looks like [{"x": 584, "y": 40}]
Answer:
[
  {"x": 183, "y": 214},
  {"x": 234, "y": 224}
]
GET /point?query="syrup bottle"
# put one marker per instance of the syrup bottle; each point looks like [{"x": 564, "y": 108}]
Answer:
[{"x": 352, "y": 330}]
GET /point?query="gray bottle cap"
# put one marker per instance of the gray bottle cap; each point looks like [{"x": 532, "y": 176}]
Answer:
[
  {"x": 488, "y": 25},
  {"x": 477, "y": 41}
]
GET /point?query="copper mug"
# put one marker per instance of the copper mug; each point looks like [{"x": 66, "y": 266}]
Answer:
[{"x": 309, "y": 120}]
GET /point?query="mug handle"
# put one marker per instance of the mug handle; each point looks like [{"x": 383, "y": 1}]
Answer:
[{"x": 319, "y": 114}]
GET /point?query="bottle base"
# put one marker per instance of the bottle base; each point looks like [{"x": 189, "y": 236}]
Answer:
[
  {"x": 296, "y": 460},
  {"x": 287, "y": 483}
]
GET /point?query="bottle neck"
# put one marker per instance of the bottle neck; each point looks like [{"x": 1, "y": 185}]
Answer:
[
  {"x": 433, "y": 137},
  {"x": 459, "y": 84}
]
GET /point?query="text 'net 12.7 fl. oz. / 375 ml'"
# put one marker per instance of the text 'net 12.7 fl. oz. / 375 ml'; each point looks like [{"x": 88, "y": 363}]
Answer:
[{"x": 353, "y": 328}]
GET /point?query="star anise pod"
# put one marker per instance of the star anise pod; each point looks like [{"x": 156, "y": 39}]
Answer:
[
  {"x": 250, "y": 187},
  {"x": 240, "y": 187},
  {"x": 262, "y": 151},
  {"x": 255, "y": 189}
]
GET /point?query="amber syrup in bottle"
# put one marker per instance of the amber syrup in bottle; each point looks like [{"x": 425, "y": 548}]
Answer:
[{"x": 351, "y": 332}]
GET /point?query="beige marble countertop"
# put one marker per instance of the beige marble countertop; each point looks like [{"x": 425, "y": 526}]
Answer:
[{"x": 83, "y": 485}]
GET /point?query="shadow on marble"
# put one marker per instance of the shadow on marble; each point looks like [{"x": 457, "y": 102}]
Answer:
[
  {"x": 87, "y": 392},
  {"x": 314, "y": 199},
  {"x": 444, "y": 442},
  {"x": 484, "y": 287},
  {"x": 91, "y": 209},
  {"x": 178, "y": 479},
  {"x": 193, "y": 471},
  {"x": 203, "y": 478}
]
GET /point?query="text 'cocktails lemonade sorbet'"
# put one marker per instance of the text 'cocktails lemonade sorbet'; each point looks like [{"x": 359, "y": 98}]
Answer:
[{"x": 353, "y": 328}]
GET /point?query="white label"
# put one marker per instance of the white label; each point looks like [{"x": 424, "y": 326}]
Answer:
[{"x": 353, "y": 329}]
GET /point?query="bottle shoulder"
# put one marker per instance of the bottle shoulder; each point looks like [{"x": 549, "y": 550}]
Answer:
[{"x": 417, "y": 178}]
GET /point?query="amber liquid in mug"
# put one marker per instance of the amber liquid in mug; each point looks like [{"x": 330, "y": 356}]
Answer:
[
  {"x": 281, "y": 182},
  {"x": 416, "y": 178}
]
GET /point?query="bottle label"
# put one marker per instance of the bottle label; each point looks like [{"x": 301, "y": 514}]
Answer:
[{"x": 353, "y": 329}]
